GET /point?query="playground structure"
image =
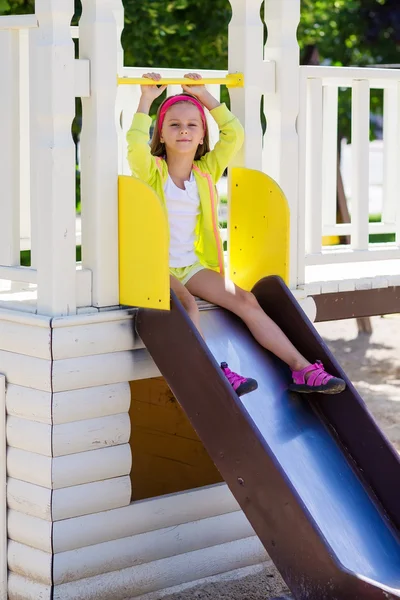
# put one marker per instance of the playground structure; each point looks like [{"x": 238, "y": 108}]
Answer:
[{"x": 67, "y": 353}]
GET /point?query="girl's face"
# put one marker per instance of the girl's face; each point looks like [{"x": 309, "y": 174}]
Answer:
[{"x": 182, "y": 130}]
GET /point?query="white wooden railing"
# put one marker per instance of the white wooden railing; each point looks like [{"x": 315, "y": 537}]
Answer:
[
  {"x": 318, "y": 139},
  {"x": 39, "y": 78}
]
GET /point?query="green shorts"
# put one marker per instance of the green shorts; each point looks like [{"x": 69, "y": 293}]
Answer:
[{"x": 183, "y": 274}]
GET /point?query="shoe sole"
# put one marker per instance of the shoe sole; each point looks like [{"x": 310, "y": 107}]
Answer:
[
  {"x": 334, "y": 386},
  {"x": 246, "y": 388}
]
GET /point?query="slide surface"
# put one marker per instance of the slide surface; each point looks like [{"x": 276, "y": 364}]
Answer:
[{"x": 315, "y": 476}]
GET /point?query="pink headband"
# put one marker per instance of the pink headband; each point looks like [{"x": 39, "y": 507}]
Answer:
[{"x": 182, "y": 98}]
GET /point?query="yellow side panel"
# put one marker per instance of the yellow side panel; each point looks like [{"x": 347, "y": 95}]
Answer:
[
  {"x": 143, "y": 246},
  {"x": 259, "y": 228}
]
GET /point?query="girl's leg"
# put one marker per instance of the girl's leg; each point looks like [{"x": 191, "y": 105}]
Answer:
[
  {"x": 187, "y": 300},
  {"x": 212, "y": 287},
  {"x": 241, "y": 385}
]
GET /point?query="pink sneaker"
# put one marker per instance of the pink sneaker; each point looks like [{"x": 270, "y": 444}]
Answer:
[
  {"x": 241, "y": 385},
  {"x": 318, "y": 380}
]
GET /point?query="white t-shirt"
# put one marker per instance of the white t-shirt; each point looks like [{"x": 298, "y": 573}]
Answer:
[{"x": 183, "y": 208}]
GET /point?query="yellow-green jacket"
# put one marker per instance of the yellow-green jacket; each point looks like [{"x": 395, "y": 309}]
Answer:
[{"x": 207, "y": 171}]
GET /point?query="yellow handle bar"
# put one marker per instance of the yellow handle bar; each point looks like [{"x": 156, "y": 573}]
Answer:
[{"x": 232, "y": 80}]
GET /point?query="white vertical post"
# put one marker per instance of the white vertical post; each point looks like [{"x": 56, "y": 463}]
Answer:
[
  {"x": 246, "y": 56},
  {"x": 54, "y": 157},
  {"x": 281, "y": 151},
  {"x": 128, "y": 97},
  {"x": 9, "y": 148},
  {"x": 3, "y": 488},
  {"x": 24, "y": 170},
  {"x": 360, "y": 164},
  {"x": 119, "y": 16},
  {"x": 213, "y": 129},
  {"x": 391, "y": 156},
  {"x": 329, "y": 154},
  {"x": 99, "y": 151},
  {"x": 314, "y": 168}
]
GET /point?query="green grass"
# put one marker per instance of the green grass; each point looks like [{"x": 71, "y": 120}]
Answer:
[
  {"x": 26, "y": 256},
  {"x": 380, "y": 238}
]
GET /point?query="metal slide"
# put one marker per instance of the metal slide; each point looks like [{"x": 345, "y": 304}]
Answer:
[{"x": 315, "y": 476}]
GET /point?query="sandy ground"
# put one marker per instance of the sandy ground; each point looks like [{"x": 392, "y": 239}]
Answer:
[{"x": 373, "y": 364}]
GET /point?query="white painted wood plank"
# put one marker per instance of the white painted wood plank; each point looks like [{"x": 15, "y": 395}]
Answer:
[
  {"x": 3, "y": 490},
  {"x": 18, "y": 22},
  {"x": 342, "y": 254},
  {"x": 9, "y": 153},
  {"x": 92, "y": 466},
  {"x": 55, "y": 158},
  {"x": 364, "y": 284},
  {"x": 24, "y": 142},
  {"x": 148, "y": 547},
  {"x": 280, "y": 155},
  {"x": 71, "y": 470},
  {"x": 29, "y": 467},
  {"x": 96, "y": 338},
  {"x": 81, "y": 78},
  {"x": 28, "y": 403},
  {"x": 360, "y": 123},
  {"x": 100, "y": 316},
  {"x": 25, "y": 339},
  {"x": 30, "y": 562},
  {"x": 391, "y": 157},
  {"x": 24, "y": 318},
  {"x": 29, "y": 499},
  {"x": 143, "y": 516},
  {"x": 347, "y": 285},
  {"x": 329, "y": 154},
  {"x": 343, "y": 76},
  {"x": 91, "y": 498},
  {"x": 99, "y": 157},
  {"x": 29, "y": 435},
  {"x": 314, "y": 167},
  {"x": 31, "y": 531},
  {"x": 90, "y": 403},
  {"x": 74, "y": 373},
  {"x": 165, "y": 573},
  {"x": 26, "y": 370},
  {"x": 329, "y": 287},
  {"x": 22, "y": 587},
  {"x": 91, "y": 434},
  {"x": 377, "y": 270}
]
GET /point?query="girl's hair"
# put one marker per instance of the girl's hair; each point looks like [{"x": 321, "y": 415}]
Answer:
[{"x": 157, "y": 147}]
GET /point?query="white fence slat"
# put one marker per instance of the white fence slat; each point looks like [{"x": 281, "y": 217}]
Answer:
[
  {"x": 314, "y": 168},
  {"x": 213, "y": 129},
  {"x": 3, "y": 488},
  {"x": 390, "y": 154},
  {"x": 24, "y": 151},
  {"x": 9, "y": 149},
  {"x": 360, "y": 166},
  {"x": 301, "y": 206},
  {"x": 329, "y": 154},
  {"x": 128, "y": 97},
  {"x": 397, "y": 182},
  {"x": 18, "y": 22}
]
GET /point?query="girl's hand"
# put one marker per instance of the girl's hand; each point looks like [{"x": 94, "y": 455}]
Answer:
[
  {"x": 151, "y": 92},
  {"x": 200, "y": 92},
  {"x": 195, "y": 90}
]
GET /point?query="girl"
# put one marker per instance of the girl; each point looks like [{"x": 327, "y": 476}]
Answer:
[{"x": 183, "y": 171}]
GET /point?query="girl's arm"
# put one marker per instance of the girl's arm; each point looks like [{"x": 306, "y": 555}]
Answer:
[
  {"x": 140, "y": 160},
  {"x": 231, "y": 135}
]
